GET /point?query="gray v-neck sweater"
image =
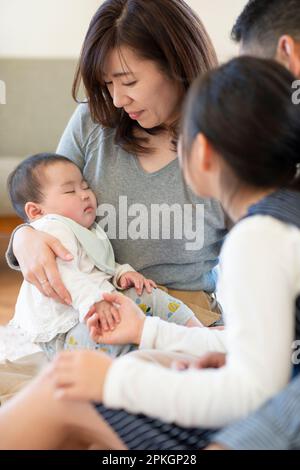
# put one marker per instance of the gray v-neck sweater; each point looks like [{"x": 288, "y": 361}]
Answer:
[{"x": 149, "y": 217}]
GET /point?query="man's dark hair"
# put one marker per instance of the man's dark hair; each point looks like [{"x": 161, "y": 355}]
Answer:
[
  {"x": 24, "y": 183},
  {"x": 263, "y": 22}
]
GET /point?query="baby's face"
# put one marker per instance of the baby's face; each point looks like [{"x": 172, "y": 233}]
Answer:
[{"x": 67, "y": 193}]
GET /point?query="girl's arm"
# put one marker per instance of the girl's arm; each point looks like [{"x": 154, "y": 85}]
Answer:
[
  {"x": 259, "y": 272},
  {"x": 154, "y": 333},
  {"x": 164, "y": 336}
]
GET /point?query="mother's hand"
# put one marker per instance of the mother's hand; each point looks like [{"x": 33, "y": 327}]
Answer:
[
  {"x": 36, "y": 253},
  {"x": 130, "y": 328}
]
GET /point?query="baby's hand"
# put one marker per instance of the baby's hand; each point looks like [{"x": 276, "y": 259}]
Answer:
[
  {"x": 130, "y": 328},
  {"x": 137, "y": 280},
  {"x": 108, "y": 316}
]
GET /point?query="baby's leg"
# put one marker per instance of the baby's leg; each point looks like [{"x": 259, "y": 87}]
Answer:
[
  {"x": 160, "y": 304},
  {"x": 78, "y": 337},
  {"x": 51, "y": 348}
]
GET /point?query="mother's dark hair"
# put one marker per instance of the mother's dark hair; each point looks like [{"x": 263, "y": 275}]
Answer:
[
  {"x": 167, "y": 32},
  {"x": 245, "y": 110}
]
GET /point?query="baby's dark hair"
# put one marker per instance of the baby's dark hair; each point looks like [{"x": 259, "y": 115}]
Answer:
[
  {"x": 263, "y": 22},
  {"x": 246, "y": 112},
  {"x": 24, "y": 183}
]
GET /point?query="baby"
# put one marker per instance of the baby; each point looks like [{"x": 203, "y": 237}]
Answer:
[{"x": 49, "y": 192}]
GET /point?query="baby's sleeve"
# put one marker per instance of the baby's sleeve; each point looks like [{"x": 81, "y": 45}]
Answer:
[
  {"x": 84, "y": 290},
  {"x": 120, "y": 270}
]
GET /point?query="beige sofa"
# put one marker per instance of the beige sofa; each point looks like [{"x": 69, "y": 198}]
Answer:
[{"x": 38, "y": 106}]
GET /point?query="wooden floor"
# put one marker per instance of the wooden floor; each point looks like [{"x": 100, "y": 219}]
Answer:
[{"x": 10, "y": 281}]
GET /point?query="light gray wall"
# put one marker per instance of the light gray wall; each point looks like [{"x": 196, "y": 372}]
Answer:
[
  {"x": 38, "y": 104},
  {"x": 38, "y": 107}
]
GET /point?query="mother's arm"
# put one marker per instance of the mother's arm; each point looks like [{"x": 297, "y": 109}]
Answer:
[{"x": 36, "y": 254}]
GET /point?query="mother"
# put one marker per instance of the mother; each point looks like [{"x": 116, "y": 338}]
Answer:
[{"x": 137, "y": 62}]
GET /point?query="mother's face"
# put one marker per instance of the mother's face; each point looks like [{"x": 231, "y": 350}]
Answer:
[{"x": 139, "y": 87}]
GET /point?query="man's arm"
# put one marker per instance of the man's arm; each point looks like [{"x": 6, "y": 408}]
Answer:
[{"x": 274, "y": 426}]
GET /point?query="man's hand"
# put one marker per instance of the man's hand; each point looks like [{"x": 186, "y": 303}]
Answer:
[{"x": 137, "y": 280}]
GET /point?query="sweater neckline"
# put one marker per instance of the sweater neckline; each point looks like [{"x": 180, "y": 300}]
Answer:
[{"x": 153, "y": 173}]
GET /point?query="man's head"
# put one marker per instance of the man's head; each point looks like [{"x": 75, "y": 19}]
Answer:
[
  {"x": 51, "y": 184},
  {"x": 270, "y": 29}
]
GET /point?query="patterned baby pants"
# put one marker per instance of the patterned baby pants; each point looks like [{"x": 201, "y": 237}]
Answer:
[{"x": 158, "y": 303}]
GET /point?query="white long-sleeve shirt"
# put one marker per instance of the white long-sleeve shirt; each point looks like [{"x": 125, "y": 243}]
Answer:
[
  {"x": 259, "y": 282},
  {"x": 42, "y": 318}
]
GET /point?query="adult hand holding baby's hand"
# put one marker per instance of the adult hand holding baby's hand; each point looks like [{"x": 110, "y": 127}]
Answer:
[
  {"x": 137, "y": 280},
  {"x": 130, "y": 328}
]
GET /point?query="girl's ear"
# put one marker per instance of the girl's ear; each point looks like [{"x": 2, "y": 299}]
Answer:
[
  {"x": 205, "y": 153},
  {"x": 288, "y": 54},
  {"x": 33, "y": 210}
]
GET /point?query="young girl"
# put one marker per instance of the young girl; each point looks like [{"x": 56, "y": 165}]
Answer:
[{"x": 240, "y": 143}]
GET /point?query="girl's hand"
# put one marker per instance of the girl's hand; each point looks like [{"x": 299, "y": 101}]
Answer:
[
  {"x": 36, "y": 252},
  {"x": 130, "y": 328},
  {"x": 210, "y": 360},
  {"x": 137, "y": 280},
  {"x": 80, "y": 375}
]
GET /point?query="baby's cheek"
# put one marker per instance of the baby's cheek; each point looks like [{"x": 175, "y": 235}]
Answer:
[{"x": 73, "y": 212}]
